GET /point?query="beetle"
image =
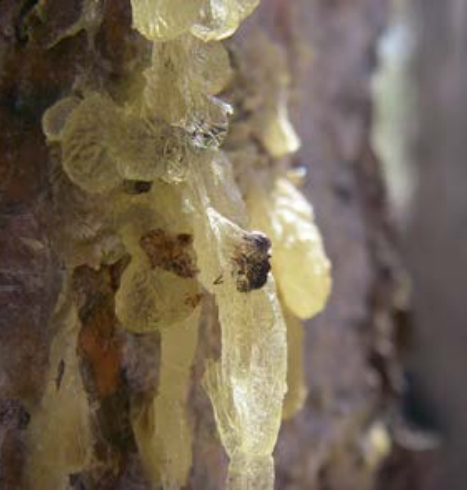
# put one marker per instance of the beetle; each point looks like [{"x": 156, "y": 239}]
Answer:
[{"x": 251, "y": 261}]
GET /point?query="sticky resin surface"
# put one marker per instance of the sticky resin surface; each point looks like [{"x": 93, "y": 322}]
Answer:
[{"x": 171, "y": 192}]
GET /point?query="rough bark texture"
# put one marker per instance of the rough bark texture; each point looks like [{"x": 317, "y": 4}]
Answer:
[
  {"x": 351, "y": 365},
  {"x": 349, "y": 353}
]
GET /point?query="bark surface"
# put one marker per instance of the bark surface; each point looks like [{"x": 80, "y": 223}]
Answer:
[{"x": 352, "y": 369}]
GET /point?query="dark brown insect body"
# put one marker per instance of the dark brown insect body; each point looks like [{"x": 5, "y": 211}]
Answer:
[{"x": 251, "y": 262}]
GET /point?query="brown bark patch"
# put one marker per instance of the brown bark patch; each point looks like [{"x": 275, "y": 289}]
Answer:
[{"x": 170, "y": 252}]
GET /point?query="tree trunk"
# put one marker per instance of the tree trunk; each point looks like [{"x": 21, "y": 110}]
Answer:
[
  {"x": 351, "y": 362},
  {"x": 434, "y": 245}
]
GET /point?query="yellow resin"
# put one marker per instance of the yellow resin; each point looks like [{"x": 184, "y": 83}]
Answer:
[
  {"x": 162, "y": 20},
  {"x": 161, "y": 207},
  {"x": 278, "y": 134},
  {"x": 54, "y": 118},
  {"x": 148, "y": 300},
  {"x": 181, "y": 84},
  {"x": 170, "y": 137},
  {"x": 152, "y": 298},
  {"x": 220, "y": 18},
  {"x": 299, "y": 262},
  {"x": 296, "y": 385},
  {"x": 265, "y": 82},
  {"x": 247, "y": 385},
  {"x": 60, "y": 440},
  {"x": 103, "y": 144},
  {"x": 161, "y": 427},
  {"x": 250, "y": 473},
  {"x": 85, "y": 145},
  {"x": 144, "y": 150}
]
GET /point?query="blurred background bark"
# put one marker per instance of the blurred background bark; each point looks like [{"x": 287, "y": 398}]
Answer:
[
  {"x": 435, "y": 242},
  {"x": 351, "y": 360}
]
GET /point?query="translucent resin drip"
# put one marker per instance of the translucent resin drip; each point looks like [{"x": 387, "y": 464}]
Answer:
[
  {"x": 60, "y": 441},
  {"x": 194, "y": 221},
  {"x": 182, "y": 82},
  {"x": 247, "y": 385},
  {"x": 155, "y": 294},
  {"x": 206, "y": 19},
  {"x": 296, "y": 386},
  {"x": 161, "y": 427},
  {"x": 299, "y": 262}
]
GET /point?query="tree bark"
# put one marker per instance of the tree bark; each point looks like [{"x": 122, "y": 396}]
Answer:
[
  {"x": 434, "y": 245},
  {"x": 351, "y": 362}
]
